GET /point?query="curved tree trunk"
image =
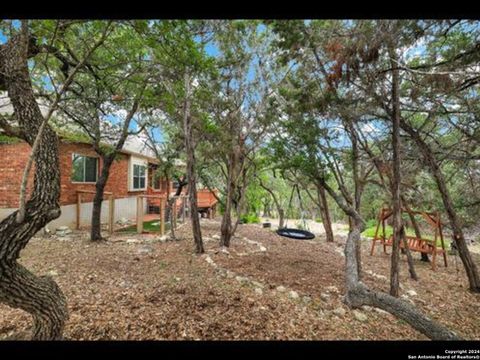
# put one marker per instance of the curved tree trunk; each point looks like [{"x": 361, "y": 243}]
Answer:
[
  {"x": 468, "y": 263},
  {"x": 281, "y": 218},
  {"x": 226, "y": 228},
  {"x": 96, "y": 224},
  {"x": 181, "y": 184},
  {"x": 281, "y": 212},
  {"x": 398, "y": 226},
  {"x": 191, "y": 174},
  {"x": 358, "y": 294},
  {"x": 19, "y": 288},
  {"x": 325, "y": 213}
]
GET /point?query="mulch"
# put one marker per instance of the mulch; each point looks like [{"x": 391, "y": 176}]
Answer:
[{"x": 155, "y": 290}]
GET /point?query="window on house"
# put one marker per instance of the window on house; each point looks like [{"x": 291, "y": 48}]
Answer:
[
  {"x": 84, "y": 168},
  {"x": 139, "y": 176}
]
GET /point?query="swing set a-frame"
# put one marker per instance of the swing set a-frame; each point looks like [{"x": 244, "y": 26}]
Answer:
[{"x": 426, "y": 246}]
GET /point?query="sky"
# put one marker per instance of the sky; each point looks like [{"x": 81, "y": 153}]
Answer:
[{"x": 212, "y": 50}]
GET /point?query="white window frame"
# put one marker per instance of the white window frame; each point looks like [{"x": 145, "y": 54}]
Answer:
[
  {"x": 84, "y": 170},
  {"x": 138, "y": 162}
]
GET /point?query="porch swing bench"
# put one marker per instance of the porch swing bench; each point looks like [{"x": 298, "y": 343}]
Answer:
[{"x": 416, "y": 244}]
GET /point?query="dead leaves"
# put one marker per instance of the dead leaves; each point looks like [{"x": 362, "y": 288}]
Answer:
[{"x": 164, "y": 291}]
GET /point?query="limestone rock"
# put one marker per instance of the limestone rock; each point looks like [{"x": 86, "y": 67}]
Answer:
[
  {"x": 224, "y": 250},
  {"x": 209, "y": 260},
  {"x": 406, "y": 298},
  {"x": 339, "y": 311},
  {"x": 241, "y": 279},
  {"x": 293, "y": 295},
  {"x": 133, "y": 241},
  {"x": 307, "y": 299},
  {"x": 381, "y": 277},
  {"x": 258, "y": 291},
  {"x": 324, "y": 297},
  {"x": 144, "y": 250},
  {"x": 331, "y": 289},
  {"x": 163, "y": 238},
  {"x": 359, "y": 316},
  {"x": 411, "y": 292},
  {"x": 257, "y": 284},
  {"x": 281, "y": 288},
  {"x": 380, "y": 311},
  {"x": 123, "y": 221},
  {"x": 52, "y": 273},
  {"x": 340, "y": 251}
]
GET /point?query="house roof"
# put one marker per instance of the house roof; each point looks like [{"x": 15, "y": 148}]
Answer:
[{"x": 134, "y": 145}]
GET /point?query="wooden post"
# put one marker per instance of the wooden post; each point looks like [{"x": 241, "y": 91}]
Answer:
[
  {"x": 79, "y": 206},
  {"x": 111, "y": 213},
  {"x": 162, "y": 216},
  {"x": 139, "y": 214}
]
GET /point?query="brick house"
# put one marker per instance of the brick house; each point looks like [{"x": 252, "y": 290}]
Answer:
[{"x": 131, "y": 174}]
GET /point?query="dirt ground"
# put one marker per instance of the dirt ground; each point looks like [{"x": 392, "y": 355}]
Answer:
[{"x": 263, "y": 287}]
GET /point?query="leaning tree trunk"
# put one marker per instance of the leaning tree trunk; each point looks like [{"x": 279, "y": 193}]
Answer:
[
  {"x": 191, "y": 174},
  {"x": 171, "y": 200},
  {"x": 226, "y": 227},
  {"x": 281, "y": 217},
  {"x": 358, "y": 294},
  {"x": 96, "y": 224},
  {"x": 280, "y": 211},
  {"x": 398, "y": 230},
  {"x": 325, "y": 213},
  {"x": 19, "y": 288},
  {"x": 468, "y": 263}
]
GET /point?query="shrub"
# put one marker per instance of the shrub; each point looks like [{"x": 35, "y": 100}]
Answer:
[
  {"x": 371, "y": 223},
  {"x": 251, "y": 218}
]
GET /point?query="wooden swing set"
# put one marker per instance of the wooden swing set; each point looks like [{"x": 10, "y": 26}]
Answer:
[{"x": 416, "y": 244}]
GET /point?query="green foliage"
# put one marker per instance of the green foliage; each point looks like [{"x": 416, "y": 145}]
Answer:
[
  {"x": 369, "y": 232},
  {"x": 148, "y": 226},
  {"x": 371, "y": 223},
  {"x": 250, "y": 218},
  {"x": 5, "y": 139},
  {"x": 74, "y": 136}
]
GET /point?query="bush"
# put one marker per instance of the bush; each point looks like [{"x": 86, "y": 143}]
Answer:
[
  {"x": 250, "y": 219},
  {"x": 371, "y": 223},
  {"x": 319, "y": 220},
  {"x": 370, "y": 231}
]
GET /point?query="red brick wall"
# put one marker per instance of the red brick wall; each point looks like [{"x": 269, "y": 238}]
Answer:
[
  {"x": 117, "y": 180},
  {"x": 13, "y": 158}
]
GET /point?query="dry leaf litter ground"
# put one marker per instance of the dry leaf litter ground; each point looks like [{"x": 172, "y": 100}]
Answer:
[{"x": 263, "y": 287}]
